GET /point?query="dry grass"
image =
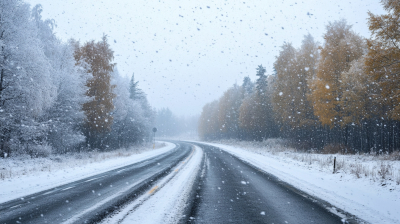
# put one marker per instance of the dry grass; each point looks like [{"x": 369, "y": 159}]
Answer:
[
  {"x": 397, "y": 177},
  {"x": 377, "y": 168},
  {"x": 25, "y": 165},
  {"x": 335, "y": 149}
]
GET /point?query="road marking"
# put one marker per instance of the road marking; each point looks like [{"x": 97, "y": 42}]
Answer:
[
  {"x": 15, "y": 206},
  {"x": 120, "y": 170},
  {"x": 177, "y": 170},
  {"x": 67, "y": 188},
  {"x": 49, "y": 192},
  {"x": 92, "y": 179},
  {"x": 95, "y": 178},
  {"x": 153, "y": 189}
]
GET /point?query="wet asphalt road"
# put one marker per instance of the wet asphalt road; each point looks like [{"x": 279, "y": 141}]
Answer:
[
  {"x": 228, "y": 190},
  {"x": 233, "y": 192},
  {"x": 106, "y": 192}
]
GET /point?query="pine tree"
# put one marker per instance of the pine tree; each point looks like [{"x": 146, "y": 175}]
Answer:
[
  {"x": 247, "y": 87},
  {"x": 134, "y": 92},
  {"x": 132, "y": 122},
  {"x": 256, "y": 115},
  {"x": 261, "y": 83}
]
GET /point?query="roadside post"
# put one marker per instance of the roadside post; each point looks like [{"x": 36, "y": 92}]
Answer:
[
  {"x": 334, "y": 164},
  {"x": 154, "y": 137}
]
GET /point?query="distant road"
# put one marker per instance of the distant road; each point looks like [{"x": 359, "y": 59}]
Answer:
[
  {"x": 232, "y": 191},
  {"x": 90, "y": 199}
]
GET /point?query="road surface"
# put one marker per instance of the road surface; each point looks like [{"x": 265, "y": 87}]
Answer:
[
  {"x": 91, "y": 199},
  {"x": 232, "y": 191},
  {"x": 227, "y": 190}
]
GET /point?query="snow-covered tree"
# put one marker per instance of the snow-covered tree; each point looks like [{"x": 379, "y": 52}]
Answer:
[
  {"x": 98, "y": 56},
  {"x": 135, "y": 93},
  {"x": 65, "y": 115},
  {"x": 26, "y": 90},
  {"x": 133, "y": 117}
]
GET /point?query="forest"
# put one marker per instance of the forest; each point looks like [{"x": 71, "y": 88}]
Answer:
[
  {"x": 170, "y": 125},
  {"x": 339, "y": 96},
  {"x": 59, "y": 97}
]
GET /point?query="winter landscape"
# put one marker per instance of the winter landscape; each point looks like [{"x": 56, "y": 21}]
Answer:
[{"x": 199, "y": 112}]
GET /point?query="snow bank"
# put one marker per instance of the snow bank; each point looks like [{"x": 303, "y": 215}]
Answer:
[
  {"x": 167, "y": 200},
  {"x": 28, "y": 176},
  {"x": 374, "y": 199}
]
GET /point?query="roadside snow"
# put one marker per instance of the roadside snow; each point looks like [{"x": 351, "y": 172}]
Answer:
[
  {"x": 363, "y": 197},
  {"x": 166, "y": 201},
  {"x": 17, "y": 186}
]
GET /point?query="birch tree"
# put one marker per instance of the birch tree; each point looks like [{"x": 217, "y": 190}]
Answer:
[{"x": 26, "y": 90}]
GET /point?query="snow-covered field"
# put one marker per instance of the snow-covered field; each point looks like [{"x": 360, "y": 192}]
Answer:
[
  {"x": 365, "y": 186},
  {"x": 166, "y": 201},
  {"x": 21, "y": 176}
]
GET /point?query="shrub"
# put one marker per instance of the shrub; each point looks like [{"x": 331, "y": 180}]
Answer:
[{"x": 335, "y": 148}]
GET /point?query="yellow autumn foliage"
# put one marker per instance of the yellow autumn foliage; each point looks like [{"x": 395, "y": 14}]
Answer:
[
  {"x": 383, "y": 59},
  {"x": 341, "y": 47}
]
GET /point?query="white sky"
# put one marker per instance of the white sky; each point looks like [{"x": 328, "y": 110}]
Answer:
[{"x": 187, "y": 53}]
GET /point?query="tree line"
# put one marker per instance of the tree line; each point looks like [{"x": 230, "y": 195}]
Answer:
[
  {"x": 57, "y": 97},
  {"x": 170, "y": 125},
  {"x": 342, "y": 95}
]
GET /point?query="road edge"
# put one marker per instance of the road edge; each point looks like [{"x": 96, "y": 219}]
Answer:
[{"x": 350, "y": 218}]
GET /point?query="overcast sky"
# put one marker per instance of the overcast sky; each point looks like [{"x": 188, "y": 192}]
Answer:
[{"x": 187, "y": 53}]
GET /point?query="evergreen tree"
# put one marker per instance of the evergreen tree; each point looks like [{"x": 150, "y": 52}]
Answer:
[
  {"x": 134, "y": 92},
  {"x": 131, "y": 121},
  {"x": 256, "y": 115},
  {"x": 247, "y": 87},
  {"x": 261, "y": 83}
]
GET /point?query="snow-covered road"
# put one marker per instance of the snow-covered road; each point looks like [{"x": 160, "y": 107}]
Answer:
[
  {"x": 91, "y": 199},
  {"x": 20, "y": 186},
  {"x": 168, "y": 200},
  {"x": 222, "y": 189},
  {"x": 359, "y": 197},
  {"x": 210, "y": 185}
]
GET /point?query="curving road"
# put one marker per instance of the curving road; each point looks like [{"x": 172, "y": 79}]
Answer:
[
  {"x": 227, "y": 190},
  {"x": 91, "y": 199},
  {"x": 232, "y": 191}
]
